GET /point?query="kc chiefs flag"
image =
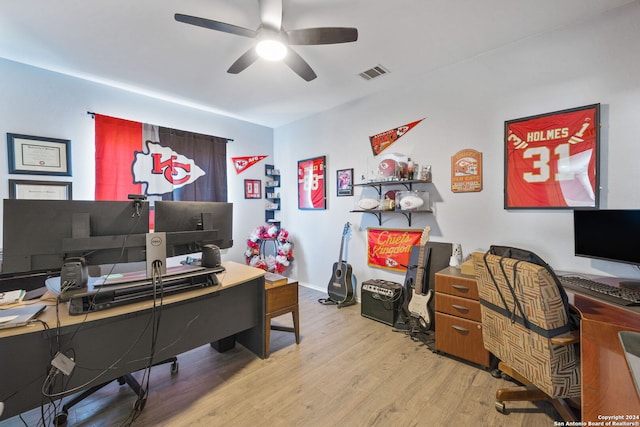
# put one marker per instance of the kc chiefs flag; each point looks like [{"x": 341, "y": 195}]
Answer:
[
  {"x": 384, "y": 140},
  {"x": 391, "y": 248},
  {"x": 138, "y": 158}
]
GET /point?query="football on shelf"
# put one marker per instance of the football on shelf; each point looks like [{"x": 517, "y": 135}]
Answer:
[
  {"x": 368, "y": 203},
  {"x": 411, "y": 202}
]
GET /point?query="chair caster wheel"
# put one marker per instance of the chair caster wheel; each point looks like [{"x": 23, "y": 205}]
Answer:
[
  {"x": 506, "y": 377},
  {"x": 496, "y": 373},
  {"x": 174, "y": 368},
  {"x": 60, "y": 419},
  {"x": 500, "y": 407}
]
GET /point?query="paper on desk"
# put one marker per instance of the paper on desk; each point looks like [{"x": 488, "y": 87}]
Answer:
[
  {"x": 4, "y": 319},
  {"x": 11, "y": 296}
]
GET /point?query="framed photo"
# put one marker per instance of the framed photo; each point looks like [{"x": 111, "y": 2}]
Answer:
[
  {"x": 311, "y": 183},
  {"x": 39, "y": 190},
  {"x": 252, "y": 189},
  {"x": 36, "y": 155},
  {"x": 344, "y": 178},
  {"x": 552, "y": 160}
]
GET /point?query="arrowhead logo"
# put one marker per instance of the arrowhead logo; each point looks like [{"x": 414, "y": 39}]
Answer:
[
  {"x": 163, "y": 170},
  {"x": 245, "y": 162}
]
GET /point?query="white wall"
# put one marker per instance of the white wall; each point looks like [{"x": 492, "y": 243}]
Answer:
[
  {"x": 466, "y": 104},
  {"x": 41, "y": 103}
]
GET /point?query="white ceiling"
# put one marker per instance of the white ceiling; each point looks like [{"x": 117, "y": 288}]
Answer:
[{"x": 137, "y": 45}]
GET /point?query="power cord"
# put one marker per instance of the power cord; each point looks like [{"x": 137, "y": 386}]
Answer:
[{"x": 156, "y": 315}]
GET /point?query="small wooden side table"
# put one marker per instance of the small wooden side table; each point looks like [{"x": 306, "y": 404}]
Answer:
[{"x": 281, "y": 299}]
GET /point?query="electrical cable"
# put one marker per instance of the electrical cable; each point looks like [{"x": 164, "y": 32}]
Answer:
[{"x": 156, "y": 315}]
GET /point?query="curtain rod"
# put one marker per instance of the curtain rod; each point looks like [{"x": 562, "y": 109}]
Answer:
[{"x": 93, "y": 116}]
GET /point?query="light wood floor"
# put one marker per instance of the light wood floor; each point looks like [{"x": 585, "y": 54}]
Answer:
[{"x": 348, "y": 371}]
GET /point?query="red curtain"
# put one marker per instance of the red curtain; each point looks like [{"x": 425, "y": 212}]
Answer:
[{"x": 117, "y": 140}]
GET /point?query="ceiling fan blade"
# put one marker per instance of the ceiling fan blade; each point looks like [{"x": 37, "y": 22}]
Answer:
[
  {"x": 246, "y": 59},
  {"x": 271, "y": 13},
  {"x": 322, "y": 35},
  {"x": 215, "y": 25},
  {"x": 299, "y": 65}
]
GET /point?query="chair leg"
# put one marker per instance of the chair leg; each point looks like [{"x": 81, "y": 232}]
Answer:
[
  {"x": 565, "y": 411},
  {"x": 529, "y": 393},
  {"x": 61, "y": 418}
]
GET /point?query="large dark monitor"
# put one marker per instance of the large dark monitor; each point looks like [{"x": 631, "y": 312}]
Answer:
[
  {"x": 191, "y": 225},
  {"x": 39, "y": 234},
  {"x": 608, "y": 234}
]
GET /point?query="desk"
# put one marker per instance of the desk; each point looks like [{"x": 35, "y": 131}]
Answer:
[
  {"x": 607, "y": 384},
  {"x": 120, "y": 337}
]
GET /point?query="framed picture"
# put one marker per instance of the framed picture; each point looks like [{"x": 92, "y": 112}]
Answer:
[
  {"x": 252, "y": 189},
  {"x": 552, "y": 160},
  {"x": 311, "y": 183},
  {"x": 344, "y": 178},
  {"x": 39, "y": 190},
  {"x": 36, "y": 155}
]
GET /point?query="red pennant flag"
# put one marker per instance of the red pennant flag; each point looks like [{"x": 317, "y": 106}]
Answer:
[
  {"x": 245, "y": 162},
  {"x": 384, "y": 140}
]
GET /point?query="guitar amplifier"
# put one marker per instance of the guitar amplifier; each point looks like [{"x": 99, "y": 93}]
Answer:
[{"x": 381, "y": 300}]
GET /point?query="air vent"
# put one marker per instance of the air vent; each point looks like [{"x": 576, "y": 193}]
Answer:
[{"x": 374, "y": 72}]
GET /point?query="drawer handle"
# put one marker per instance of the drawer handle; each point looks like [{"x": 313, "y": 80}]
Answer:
[
  {"x": 460, "y": 307},
  {"x": 459, "y": 328},
  {"x": 460, "y": 288}
]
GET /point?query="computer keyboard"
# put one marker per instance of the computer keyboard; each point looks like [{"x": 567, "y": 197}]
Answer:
[{"x": 604, "y": 292}]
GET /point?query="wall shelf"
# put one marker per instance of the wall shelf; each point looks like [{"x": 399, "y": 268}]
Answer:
[
  {"x": 378, "y": 213},
  {"x": 272, "y": 194},
  {"x": 379, "y": 185}
]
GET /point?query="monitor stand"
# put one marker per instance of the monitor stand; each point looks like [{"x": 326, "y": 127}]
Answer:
[{"x": 156, "y": 251}]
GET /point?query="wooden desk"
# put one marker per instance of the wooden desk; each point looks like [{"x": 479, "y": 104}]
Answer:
[
  {"x": 120, "y": 338},
  {"x": 279, "y": 300},
  {"x": 607, "y": 385}
]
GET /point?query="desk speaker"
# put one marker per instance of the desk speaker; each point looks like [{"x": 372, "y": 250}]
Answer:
[{"x": 381, "y": 300}]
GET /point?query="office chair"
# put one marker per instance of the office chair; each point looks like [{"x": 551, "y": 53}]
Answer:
[
  {"x": 61, "y": 418},
  {"x": 526, "y": 324}
]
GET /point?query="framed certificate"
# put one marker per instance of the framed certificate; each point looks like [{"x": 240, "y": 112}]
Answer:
[
  {"x": 39, "y": 190},
  {"x": 38, "y": 155},
  {"x": 552, "y": 160},
  {"x": 311, "y": 183}
]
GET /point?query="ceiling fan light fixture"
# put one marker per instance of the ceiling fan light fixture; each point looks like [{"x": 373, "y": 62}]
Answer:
[{"x": 271, "y": 49}]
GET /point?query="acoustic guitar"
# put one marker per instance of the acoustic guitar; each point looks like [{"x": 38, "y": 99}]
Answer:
[
  {"x": 421, "y": 296},
  {"x": 343, "y": 282}
]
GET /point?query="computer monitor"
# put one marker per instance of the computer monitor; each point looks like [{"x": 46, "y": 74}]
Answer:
[
  {"x": 39, "y": 234},
  {"x": 191, "y": 225},
  {"x": 607, "y": 234}
]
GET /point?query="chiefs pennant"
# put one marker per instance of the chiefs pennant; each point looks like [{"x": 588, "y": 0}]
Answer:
[
  {"x": 384, "y": 140},
  {"x": 242, "y": 163}
]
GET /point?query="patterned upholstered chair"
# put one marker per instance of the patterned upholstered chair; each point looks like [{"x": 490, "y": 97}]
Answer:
[{"x": 526, "y": 325}]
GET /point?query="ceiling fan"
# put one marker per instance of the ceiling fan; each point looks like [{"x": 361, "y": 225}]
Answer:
[{"x": 273, "y": 41}]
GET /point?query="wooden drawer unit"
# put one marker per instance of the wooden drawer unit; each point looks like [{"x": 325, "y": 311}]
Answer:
[
  {"x": 280, "y": 297},
  {"x": 458, "y": 323}
]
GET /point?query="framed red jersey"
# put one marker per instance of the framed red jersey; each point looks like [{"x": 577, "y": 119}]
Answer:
[
  {"x": 552, "y": 160},
  {"x": 311, "y": 183}
]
